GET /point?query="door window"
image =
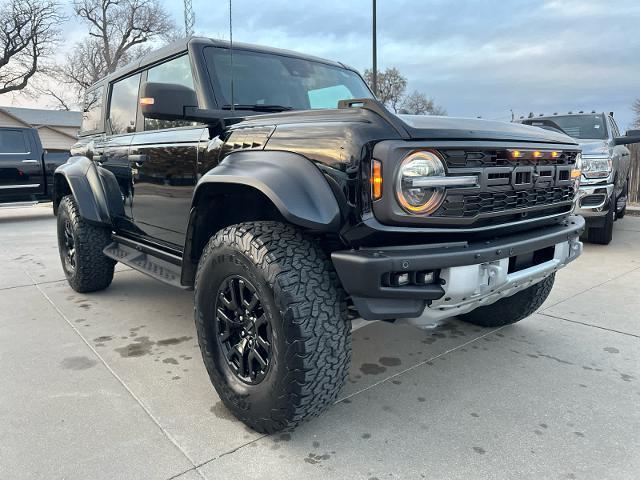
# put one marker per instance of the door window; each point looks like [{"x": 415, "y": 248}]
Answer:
[
  {"x": 12, "y": 141},
  {"x": 92, "y": 111},
  {"x": 177, "y": 71},
  {"x": 124, "y": 105},
  {"x": 614, "y": 127}
]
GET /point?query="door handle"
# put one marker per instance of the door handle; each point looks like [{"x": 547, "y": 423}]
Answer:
[
  {"x": 138, "y": 159},
  {"x": 30, "y": 161}
]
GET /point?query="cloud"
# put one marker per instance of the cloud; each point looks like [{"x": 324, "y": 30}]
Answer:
[{"x": 474, "y": 57}]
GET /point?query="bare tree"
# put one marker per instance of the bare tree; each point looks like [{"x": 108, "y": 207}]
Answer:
[
  {"x": 417, "y": 103},
  {"x": 391, "y": 86},
  {"x": 28, "y": 34},
  {"x": 636, "y": 109},
  {"x": 119, "y": 32},
  {"x": 391, "y": 91}
]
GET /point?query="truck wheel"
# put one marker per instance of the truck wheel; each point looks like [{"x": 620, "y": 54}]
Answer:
[
  {"x": 620, "y": 213},
  {"x": 511, "y": 309},
  {"x": 272, "y": 324},
  {"x": 603, "y": 235},
  {"x": 80, "y": 245}
]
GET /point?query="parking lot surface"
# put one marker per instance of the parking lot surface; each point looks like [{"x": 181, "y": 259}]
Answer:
[{"x": 111, "y": 385}]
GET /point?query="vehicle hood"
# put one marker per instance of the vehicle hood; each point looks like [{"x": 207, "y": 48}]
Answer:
[
  {"x": 594, "y": 147},
  {"x": 450, "y": 128}
]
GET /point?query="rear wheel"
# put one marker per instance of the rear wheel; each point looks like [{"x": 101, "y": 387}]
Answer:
[
  {"x": 80, "y": 245},
  {"x": 511, "y": 309},
  {"x": 272, "y": 324}
]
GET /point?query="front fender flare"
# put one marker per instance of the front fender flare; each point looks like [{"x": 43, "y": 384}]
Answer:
[
  {"x": 296, "y": 187},
  {"x": 96, "y": 192}
]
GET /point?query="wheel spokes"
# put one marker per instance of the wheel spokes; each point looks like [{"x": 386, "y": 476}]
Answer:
[{"x": 243, "y": 329}]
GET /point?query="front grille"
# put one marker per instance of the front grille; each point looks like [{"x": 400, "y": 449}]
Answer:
[
  {"x": 472, "y": 204},
  {"x": 499, "y": 158},
  {"x": 510, "y": 189}
]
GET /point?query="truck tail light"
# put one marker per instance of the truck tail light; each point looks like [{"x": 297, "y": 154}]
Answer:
[{"x": 376, "y": 180}]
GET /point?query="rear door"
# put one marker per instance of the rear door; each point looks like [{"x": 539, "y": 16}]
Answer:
[
  {"x": 622, "y": 154},
  {"x": 163, "y": 159},
  {"x": 112, "y": 150},
  {"x": 21, "y": 167}
]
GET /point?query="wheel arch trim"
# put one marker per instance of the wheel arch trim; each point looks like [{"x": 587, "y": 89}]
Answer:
[
  {"x": 302, "y": 195},
  {"x": 87, "y": 184}
]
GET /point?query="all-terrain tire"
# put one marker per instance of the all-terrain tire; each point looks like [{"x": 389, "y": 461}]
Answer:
[
  {"x": 90, "y": 270},
  {"x": 603, "y": 235},
  {"x": 511, "y": 309},
  {"x": 306, "y": 307}
]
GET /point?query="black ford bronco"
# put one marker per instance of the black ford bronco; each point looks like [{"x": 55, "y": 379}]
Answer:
[{"x": 290, "y": 200}]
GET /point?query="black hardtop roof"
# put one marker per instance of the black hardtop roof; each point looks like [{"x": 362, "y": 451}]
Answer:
[{"x": 182, "y": 45}]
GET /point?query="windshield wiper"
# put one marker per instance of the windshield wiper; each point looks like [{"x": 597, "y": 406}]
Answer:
[{"x": 258, "y": 107}]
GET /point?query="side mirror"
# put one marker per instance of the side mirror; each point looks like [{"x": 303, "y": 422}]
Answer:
[
  {"x": 166, "y": 101},
  {"x": 632, "y": 136}
]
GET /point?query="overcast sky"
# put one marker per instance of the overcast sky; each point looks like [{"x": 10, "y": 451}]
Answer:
[{"x": 481, "y": 57}]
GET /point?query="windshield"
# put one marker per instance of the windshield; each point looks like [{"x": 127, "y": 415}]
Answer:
[
  {"x": 279, "y": 80},
  {"x": 582, "y": 126}
]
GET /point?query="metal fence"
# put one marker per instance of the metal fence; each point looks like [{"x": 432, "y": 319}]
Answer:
[{"x": 634, "y": 179}]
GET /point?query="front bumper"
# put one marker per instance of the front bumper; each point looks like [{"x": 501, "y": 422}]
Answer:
[
  {"x": 594, "y": 200},
  {"x": 468, "y": 274}
]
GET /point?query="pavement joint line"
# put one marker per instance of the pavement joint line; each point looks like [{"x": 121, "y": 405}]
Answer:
[
  {"x": 48, "y": 281},
  {"x": 413, "y": 367},
  {"x": 116, "y": 376},
  {"x": 229, "y": 452},
  {"x": 589, "y": 325},
  {"x": 589, "y": 289}
]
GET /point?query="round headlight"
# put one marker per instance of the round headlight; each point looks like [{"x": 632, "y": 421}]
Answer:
[{"x": 412, "y": 196}]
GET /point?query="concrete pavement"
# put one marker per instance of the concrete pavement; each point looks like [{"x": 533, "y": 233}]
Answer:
[{"x": 111, "y": 384}]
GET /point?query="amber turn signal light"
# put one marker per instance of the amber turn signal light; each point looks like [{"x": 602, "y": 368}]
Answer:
[
  {"x": 575, "y": 173},
  {"x": 147, "y": 101},
  {"x": 376, "y": 180}
]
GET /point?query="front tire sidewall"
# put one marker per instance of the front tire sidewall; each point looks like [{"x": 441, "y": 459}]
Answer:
[{"x": 242, "y": 398}]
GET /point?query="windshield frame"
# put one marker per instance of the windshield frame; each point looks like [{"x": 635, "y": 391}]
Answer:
[{"x": 218, "y": 90}]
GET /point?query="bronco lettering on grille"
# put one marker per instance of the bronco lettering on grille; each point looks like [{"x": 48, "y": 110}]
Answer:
[{"x": 520, "y": 177}]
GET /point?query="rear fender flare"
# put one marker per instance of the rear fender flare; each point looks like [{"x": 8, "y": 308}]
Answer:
[{"x": 95, "y": 190}]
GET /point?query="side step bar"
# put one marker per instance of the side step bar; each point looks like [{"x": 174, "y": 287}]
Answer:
[
  {"x": 156, "y": 263},
  {"x": 30, "y": 203}
]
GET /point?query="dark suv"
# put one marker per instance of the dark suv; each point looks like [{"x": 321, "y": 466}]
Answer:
[{"x": 290, "y": 200}]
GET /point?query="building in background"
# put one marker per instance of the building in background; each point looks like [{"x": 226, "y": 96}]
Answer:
[{"x": 58, "y": 129}]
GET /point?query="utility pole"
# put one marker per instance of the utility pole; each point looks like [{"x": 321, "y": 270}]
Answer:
[
  {"x": 189, "y": 18},
  {"x": 374, "y": 79}
]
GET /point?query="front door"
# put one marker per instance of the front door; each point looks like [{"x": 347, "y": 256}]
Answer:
[
  {"x": 21, "y": 167},
  {"x": 163, "y": 166}
]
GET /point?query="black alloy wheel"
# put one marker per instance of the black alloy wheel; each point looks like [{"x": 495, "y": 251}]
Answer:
[
  {"x": 243, "y": 329},
  {"x": 68, "y": 246}
]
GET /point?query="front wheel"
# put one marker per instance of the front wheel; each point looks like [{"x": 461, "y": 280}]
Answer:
[
  {"x": 272, "y": 324},
  {"x": 603, "y": 235},
  {"x": 511, "y": 309},
  {"x": 80, "y": 245}
]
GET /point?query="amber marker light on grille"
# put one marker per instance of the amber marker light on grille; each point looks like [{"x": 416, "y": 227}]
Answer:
[
  {"x": 376, "y": 180},
  {"x": 555, "y": 154},
  {"x": 516, "y": 153},
  {"x": 537, "y": 154},
  {"x": 147, "y": 101}
]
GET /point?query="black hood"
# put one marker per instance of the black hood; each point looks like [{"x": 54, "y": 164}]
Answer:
[{"x": 452, "y": 128}]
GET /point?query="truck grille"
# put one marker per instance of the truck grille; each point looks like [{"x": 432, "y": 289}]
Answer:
[
  {"x": 470, "y": 205},
  {"x": 503, "y": 194},
  {"x": 499, "y": 158}
]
